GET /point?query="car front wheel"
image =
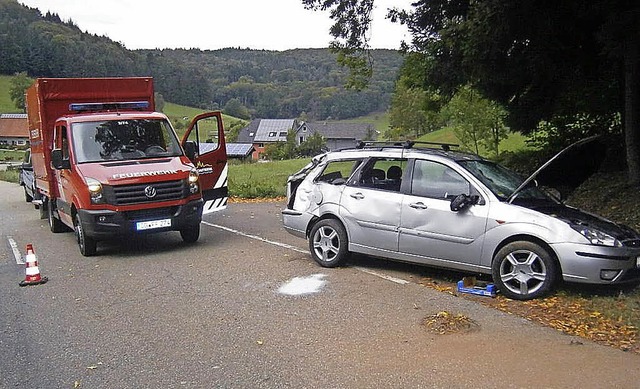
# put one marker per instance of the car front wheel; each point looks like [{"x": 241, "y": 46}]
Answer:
[
  {"x": 328, "y": 243},
  {"x": 524, "y": 270}
]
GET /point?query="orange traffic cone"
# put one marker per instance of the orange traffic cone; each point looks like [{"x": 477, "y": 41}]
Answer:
[{"x": 32, "y": 272}]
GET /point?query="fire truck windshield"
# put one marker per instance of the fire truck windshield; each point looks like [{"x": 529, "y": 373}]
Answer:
[{"x": 124, "y": 139}]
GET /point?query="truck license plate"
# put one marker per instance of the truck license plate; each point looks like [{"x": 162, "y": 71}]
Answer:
[
  {"x": 151, "y": 224},
  {"x": 637, "y": 261}
]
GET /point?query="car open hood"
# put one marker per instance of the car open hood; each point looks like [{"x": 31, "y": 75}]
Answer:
[{"x": 568, "y": 169}]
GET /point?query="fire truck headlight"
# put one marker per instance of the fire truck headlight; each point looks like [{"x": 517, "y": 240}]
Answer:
[
  {"x": 95, "y": 191},
  {"x": 194, "y": 187}
]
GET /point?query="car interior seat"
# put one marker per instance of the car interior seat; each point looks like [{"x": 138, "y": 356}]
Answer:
[{"x": 394, "y": 176}]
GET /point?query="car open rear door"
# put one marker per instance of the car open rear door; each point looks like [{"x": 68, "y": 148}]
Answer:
[{"x": 207, "y": 132}]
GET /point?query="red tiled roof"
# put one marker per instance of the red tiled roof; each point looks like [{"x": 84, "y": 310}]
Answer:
[{"x": 14, "y": 127}]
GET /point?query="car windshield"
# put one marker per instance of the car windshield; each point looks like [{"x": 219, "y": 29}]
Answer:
[
  {"x": 115, "y": 140},
  {"x": 502, "y": 181}
]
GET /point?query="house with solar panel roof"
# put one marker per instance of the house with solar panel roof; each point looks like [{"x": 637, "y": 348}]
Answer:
[{"x": 261, "y": 132}]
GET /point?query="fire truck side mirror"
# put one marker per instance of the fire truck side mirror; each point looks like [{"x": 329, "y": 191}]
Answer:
[
  {"x": 190, "y": 150},
  {"x": 58, "y": 161}
]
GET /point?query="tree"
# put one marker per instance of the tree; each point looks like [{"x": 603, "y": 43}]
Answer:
[
  {"x": 313, "y": 145},
  {"x": 353, "y": 20},
  {"x": 475, "y": 120},
  {"x": 539, "y": 59},
  {"x": 235, "y": 108},
  {"x": 19, "y": 84},
  {"x": 414, "y": 111},
  {"x": 159, "y": 101},
  {"x": 282, "y": 150}
]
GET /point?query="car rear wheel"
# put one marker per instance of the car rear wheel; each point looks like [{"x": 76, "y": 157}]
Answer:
[
  {"x": 87, "y": 245},
  {"x": 524, "y": 270},
  {"x": 328, "y": 243}
]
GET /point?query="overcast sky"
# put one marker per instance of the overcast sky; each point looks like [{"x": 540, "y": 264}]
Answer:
[{"x": 215, "y": 24}]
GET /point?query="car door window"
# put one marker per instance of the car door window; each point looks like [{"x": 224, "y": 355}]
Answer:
[
  {"x": 438, "y": 181},
  {"x": 338, "y": 170},
  {"x": 383, "y": 173}
]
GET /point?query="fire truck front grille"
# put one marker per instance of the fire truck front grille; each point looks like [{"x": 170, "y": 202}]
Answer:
[{"x": 145, "y": 193}]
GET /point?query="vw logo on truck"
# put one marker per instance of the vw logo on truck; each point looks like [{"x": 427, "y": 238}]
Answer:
[{"x": 150, "y": 192}]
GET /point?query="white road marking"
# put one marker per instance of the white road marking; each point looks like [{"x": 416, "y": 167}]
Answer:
[
  {"x": 383, "y": 276},
  {"x": 290, "y": 247},
  {"x": 16, "y": 252},
  {"x": 286, "y": 246}
]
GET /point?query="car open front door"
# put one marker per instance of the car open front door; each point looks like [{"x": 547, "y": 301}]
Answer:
[{"x": 207, "y": 133}]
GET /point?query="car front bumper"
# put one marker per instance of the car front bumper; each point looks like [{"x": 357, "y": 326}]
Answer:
[{"x": 598, "y": 264}]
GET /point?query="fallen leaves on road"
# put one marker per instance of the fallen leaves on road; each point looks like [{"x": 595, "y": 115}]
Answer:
[{"x": 445, "y": 322}]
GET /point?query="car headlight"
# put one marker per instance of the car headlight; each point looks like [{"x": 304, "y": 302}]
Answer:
[
  {"x": 95, "y": 191},
  {"x": 597, "y": 237},
  {"x": 193, "y": 182}
]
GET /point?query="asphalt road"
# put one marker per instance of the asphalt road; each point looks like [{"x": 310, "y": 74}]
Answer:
[{"x": 245, "y": 307}]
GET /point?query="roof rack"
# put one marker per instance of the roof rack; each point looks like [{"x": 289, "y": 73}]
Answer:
[{"x": 407, "y": 144}]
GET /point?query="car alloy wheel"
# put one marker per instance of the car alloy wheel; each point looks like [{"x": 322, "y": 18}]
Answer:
[
  {"x": 328, "y": 243},
  {"x": 524, "y": 270}
]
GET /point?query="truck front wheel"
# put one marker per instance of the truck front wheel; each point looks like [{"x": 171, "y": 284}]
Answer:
[
  {"x": 86, "y": 244},
  {"x": 190, "y": 234}
]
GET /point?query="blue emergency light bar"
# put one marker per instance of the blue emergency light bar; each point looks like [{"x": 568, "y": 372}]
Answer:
[{"x": 115, "y": 106}]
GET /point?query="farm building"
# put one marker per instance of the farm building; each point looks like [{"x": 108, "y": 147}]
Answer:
[{"x": 14, "y": 130}]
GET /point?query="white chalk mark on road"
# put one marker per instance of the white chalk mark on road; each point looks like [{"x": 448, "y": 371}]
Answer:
[{"x": 303, "y": 285}]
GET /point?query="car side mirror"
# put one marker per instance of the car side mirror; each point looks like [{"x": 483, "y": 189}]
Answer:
[
  {"x": 58, "y": 161},
  {"x": 462, "y": 201}
]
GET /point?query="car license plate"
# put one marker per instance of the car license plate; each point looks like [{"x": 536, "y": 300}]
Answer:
[{"x": 151, "y": 224}]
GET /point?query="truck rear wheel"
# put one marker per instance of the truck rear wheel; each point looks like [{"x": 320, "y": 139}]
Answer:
[
  {"x": 190, "y": 234},
  {"x": 55, "y": 225},
  {"x": 86, "y": 244}
]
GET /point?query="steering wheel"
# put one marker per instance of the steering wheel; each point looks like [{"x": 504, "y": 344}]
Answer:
[{"x": 154, "y": 150}]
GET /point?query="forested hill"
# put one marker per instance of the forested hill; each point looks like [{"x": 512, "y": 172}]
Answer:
[{"x": 251, "y": 83}]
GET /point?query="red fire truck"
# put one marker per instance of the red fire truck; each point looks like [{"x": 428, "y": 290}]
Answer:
[{"x": 106, "y": 164}]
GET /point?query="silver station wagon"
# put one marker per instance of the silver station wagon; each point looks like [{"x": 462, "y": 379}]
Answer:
[{"x": 443, "y": 208}]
